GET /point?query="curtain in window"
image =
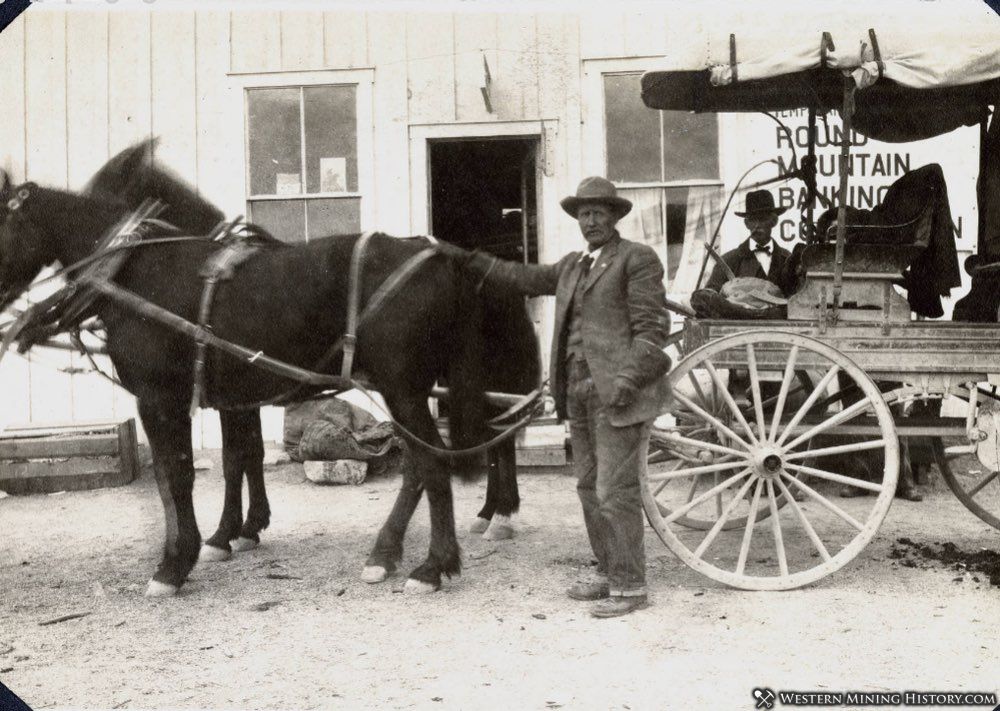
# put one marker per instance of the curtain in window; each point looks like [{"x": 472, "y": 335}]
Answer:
[
  {"x": 704, "y": 204},
  {"x": 645, "y": 222}
]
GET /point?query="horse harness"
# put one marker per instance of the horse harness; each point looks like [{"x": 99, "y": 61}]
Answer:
[{"x": 93, "y": 278}]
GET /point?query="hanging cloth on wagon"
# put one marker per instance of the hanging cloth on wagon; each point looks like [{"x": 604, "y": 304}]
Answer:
[{"x": 915, "y": 211}]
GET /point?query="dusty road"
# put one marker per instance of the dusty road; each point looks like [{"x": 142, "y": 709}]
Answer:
[{"x": 502, "y": 636}]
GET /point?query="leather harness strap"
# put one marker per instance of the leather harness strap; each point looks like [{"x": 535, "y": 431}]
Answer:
[
  {"x": 350, "y": 338},
  {"x": 220, "y": 266}
]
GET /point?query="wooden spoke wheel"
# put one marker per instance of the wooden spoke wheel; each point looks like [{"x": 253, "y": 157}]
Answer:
[
  {"x": 733, "y": 464},
  {"x": 978, "y": 488}
]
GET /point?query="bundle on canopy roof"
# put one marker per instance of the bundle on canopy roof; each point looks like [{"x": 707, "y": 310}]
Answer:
[{"x": 922, "y": 68}]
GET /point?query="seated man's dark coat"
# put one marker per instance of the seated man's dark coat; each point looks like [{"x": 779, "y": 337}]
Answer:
[{"x": 744, "y": 263}]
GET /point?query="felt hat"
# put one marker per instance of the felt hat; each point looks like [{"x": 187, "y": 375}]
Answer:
[
  {"x": 596, "y": 190},
  {"x": 760, "y": 202}
]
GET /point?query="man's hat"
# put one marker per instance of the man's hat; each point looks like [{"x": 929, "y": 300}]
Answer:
[
  {"x": 599, "y": 190},
  {"x": 760, "y": 202}
]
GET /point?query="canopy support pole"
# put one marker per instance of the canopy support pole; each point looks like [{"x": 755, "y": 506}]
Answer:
[
  {"x": 811, "y": 184},
  {"x": 843, "y": 165}
]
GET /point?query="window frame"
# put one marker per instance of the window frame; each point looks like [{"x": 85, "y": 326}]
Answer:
[
  {"x": 595, "y": 128},
  {"x": 362, "y": 80}
]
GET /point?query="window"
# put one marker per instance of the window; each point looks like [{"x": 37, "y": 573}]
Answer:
[
  {"x": 667, "y": 164},
  {"x": 302, "y": 160}
]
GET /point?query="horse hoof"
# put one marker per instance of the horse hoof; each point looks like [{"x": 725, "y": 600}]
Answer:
[
  {"x": 157, "y": 589},
  {"x": 374, "y": 574},
  {"x": 211, "y": 554},
  {"x": 479, "y": 525},
  {"x": 500, "y": 529},
  {"x": 244, "y": 544},
  {"x": 499, "y": 532},
  {"x": 418, "y": 587}
]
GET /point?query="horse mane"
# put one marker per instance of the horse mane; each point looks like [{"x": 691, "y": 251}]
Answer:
[{"x": 133, "y": 175}]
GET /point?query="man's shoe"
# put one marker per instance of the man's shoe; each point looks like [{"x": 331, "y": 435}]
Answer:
[
  {"x": 619, "y": 605},
  {"x": 587, "y": 590}
]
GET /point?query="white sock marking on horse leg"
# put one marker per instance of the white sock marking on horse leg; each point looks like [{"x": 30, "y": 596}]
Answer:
[
  {"x": 500, "y": 529},
  {"x": 243, "y": 544},
  {"x": 211, "y": 554},
  {"x": 374, "y": 574},
  {"x": 418, "y": 587},
  {"x": 157, "y": 589},
  {"x": 479, "y": 525}
]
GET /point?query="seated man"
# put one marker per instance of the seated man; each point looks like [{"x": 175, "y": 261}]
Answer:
[{"x": 759, "y": 255}]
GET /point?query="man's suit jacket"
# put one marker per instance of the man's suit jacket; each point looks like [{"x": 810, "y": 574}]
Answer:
[
  {"x": 744, "y": 264},
  {"x": 624, "y": 320}
]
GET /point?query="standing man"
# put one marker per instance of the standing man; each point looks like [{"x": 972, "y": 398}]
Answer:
[
  {"x": 759, "y": 255},
  {"x": 607, "y": 373}
]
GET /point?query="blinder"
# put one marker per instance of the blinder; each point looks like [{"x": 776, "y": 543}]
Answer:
[{"x": 15, "y": 202}]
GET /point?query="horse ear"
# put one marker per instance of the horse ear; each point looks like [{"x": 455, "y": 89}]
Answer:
[{"x": 5, "y": 185}]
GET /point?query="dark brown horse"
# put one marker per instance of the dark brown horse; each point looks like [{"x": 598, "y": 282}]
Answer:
[{"x": 289, "y": 303}]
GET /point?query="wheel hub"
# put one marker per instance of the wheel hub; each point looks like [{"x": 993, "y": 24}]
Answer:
[{"x": 768, "y": 462}]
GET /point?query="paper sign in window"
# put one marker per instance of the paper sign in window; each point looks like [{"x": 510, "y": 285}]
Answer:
[
  {"x": 333, "y": 175},
  {"x": 287, "y": 184}
]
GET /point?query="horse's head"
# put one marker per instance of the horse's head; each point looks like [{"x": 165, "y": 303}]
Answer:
[
  {"x": 22, "y": 244},
  {"x": 133, "y": 176}
]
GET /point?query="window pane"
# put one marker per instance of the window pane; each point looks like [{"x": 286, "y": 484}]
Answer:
[
  {"x": 285, "y": 219},
  {"x": 334, "y": 216},
  {"x": 331, "y": 139},
  {"x": 690, "y": 145},
  {"x": 275, "y": 142},
  {"x": 632, "y": 131}
]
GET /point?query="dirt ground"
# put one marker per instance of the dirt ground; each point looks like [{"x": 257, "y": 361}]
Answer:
[{"x": 503, "y": 635}]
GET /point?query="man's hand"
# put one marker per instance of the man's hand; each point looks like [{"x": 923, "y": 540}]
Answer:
[{"x": 623, "y": 392}]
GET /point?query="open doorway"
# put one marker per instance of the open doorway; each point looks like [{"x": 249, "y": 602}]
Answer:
[{"x": 483, "y": 195}]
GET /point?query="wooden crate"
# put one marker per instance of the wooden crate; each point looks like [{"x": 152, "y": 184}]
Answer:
[{"x": 44, "y": 458}]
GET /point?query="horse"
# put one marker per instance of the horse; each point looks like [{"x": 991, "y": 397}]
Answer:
[
  {"x": 133, "y": 176},
  {"x": 440, "y": 327}
]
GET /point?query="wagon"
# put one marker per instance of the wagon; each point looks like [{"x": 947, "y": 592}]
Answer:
[{"x": 743, "y": 482}]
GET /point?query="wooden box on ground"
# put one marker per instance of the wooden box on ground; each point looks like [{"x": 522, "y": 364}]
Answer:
[
  {"x": 542, "y": 444},
  {"x": 41, "y": 459}
]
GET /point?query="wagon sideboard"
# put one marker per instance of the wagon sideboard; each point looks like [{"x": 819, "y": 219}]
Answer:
[{"x": 915, "y": 351}]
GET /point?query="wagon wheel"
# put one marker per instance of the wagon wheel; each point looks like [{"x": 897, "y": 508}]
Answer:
[
  {"x": 757, "y": 460},
  {"x": 980, "y": 491}
]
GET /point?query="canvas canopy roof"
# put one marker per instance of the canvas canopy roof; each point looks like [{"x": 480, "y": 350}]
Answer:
[{"x": 937, "y": 66}]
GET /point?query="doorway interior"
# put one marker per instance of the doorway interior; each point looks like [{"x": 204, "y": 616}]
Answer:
[{"x": 483, "y": 194}]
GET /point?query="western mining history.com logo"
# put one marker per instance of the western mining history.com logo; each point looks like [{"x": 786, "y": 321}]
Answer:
[{"x": 765, "y": 698}]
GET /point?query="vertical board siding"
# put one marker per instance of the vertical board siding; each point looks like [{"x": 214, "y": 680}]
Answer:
[
  {"x": 301, "y": 40},
  {"x": 645, "y": 33},
  {"x": 12, "y": 148},
  {"x": 516, "y": 78},
  {"x": 172, "y": 87},
  {"x": 46, "y": 122},
  {"x": 129, "y": 93},
  {"x": 559, "y": 97},
  {"x": 602, "y": 34},
  {"x": 345, "y": 40},
  {"x": 256, "y": 41},
  {"x": 87, "y": 131},
  {"x": 86, "y": 94},
  {"x": 430, "y": 41},
  {"x": 387, "y": 48},
  {"x": 475, "y": 38},
  {"x": 218, "y": 117},
  {"x": 45, "y": 105}
]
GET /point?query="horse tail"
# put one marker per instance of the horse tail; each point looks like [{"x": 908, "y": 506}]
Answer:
[{"x": 467, "y": 375}]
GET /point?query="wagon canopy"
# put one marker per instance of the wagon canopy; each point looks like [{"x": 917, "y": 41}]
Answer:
[{"x": 926, "y": 68}]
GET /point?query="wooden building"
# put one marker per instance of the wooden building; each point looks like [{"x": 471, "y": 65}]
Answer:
[{"x": 464, "y": 122}]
